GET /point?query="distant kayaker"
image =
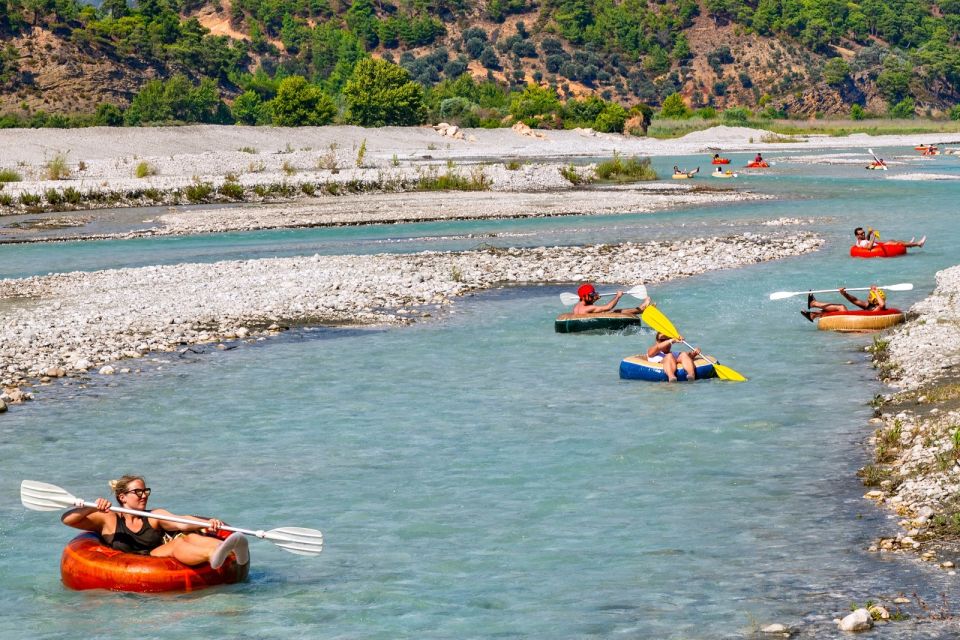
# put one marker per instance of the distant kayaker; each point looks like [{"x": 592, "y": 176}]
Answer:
[
  {"x": 719, "y": 171},
  {"x": 660, "y": 352},
  {"x": 758, "y": 159},
  {"x": 147, "y": 536},
  {"x": 716, "y": 156},
  {"x": 866, "y": 239},
  {"x": 589, "y": 296},
  {"x": 876, "y": 300}
]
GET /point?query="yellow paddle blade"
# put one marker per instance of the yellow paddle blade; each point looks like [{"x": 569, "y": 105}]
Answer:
[
  {"x": 726, "y": 373},
  {"x": 659, "y": 322}
]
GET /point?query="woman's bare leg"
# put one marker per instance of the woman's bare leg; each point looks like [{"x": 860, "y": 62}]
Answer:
[{"x": 670, "y": 367}]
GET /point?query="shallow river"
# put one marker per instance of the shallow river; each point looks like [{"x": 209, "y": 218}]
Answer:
[{"x": 478, "y": 475}]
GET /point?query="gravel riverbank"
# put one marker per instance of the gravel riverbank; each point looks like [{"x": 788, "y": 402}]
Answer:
[
  {"x": 917, "y": 440},
  {"x": 70, "y": 323}
]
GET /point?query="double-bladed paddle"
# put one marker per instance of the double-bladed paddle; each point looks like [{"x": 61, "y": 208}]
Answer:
[
  {"x": 638, "y": 291},
  {"x": 880, "y": 163},
  {"x": 660, "y": 323},
  {"x": 780, "y": 295},
  {"x": 40, "y": 496}
]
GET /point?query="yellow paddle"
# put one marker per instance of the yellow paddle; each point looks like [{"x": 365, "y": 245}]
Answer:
[{"x": 660, "y": 323}]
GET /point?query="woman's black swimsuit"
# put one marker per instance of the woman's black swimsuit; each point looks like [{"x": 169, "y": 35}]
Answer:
[{"x": 140, "y": 543}]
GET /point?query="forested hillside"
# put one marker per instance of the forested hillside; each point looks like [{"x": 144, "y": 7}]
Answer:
[{"x": 547, "y": 62}]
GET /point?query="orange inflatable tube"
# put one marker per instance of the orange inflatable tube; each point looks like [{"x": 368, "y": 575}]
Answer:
[
  {"x": 860, "y": 320},
  {"x": 87, "y": 563},
  {"x": 879, "y": 250},
  {"x": 757, "y": 165}
]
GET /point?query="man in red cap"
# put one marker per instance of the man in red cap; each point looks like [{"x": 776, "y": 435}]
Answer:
[{"x": 588, "y": 296}]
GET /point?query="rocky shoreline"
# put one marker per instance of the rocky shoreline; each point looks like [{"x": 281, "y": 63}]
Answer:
[
  {"x": 917, "y": 437},
  {"x": 71, "y": 323}
]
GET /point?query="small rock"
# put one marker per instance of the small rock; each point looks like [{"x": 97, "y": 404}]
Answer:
[
  {"x": 876, "y": 611},
  {"x": 3, "y": 406},
  {"x": 901, "y": 600},
  {"x": 775, "y": 628},
  {"x": 107, "y": 370},
  {"x": 947, "y": 565},
  {"x": 859, "y": 620}
]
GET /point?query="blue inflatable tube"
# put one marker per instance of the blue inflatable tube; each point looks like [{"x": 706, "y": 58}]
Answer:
[{"x": 639, "y": 368}]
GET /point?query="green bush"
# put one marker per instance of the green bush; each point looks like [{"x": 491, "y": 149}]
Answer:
[
  {"x": 619, "y": 170},
  {"x": 675, "y": 107},
  {"x": 380, "y": 94},
  {"x": 857, "y": 112},
  {"x": 611, "y": 119},
  {"x": 231, "y": 190},
  {"x": 9, "y": 175},
  {"x": 199, "y": 192},
  {"x": 71, "y": 195},
  {"x": 54, "y": 197},
  {"x": 145, "y": 169},
  {"x": 736, "y": 115},
  {"x": 955, "y": 112},
  {"x": 903, "y": 109},
  {"x": 57, "y": 167},
  {"x": 299, "y": 103},
  {"x": 29, "y": 199},
  {"x": 535, "y": 101}
]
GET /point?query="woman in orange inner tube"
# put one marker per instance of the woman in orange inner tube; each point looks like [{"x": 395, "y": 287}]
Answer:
[
  {"x": 875, "y": 301},
  {"x": 147, "y": 536}
]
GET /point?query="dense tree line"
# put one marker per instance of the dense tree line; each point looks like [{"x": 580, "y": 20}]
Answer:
[{"x": 632, "y": 48}]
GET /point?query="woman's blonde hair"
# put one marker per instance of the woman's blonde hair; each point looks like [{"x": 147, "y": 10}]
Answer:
[{"x": 120, "y": 485}]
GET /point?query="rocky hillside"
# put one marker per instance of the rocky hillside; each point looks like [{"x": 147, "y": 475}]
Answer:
[{"x": 630, "y": 51}]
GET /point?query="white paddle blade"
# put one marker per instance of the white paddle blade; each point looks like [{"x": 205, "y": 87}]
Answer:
[
  {"x": 903, "y": 286},
  {"x": 569, "y": 298},
  {"x": 40, "y": 496},
  {"x": 298, "y": 540},
  {"x": 780, "y": 295},
  {"x": 638, "y": 291}
]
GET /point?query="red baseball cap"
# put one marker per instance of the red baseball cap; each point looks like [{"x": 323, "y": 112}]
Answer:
[{"x": 585, "y": 290}]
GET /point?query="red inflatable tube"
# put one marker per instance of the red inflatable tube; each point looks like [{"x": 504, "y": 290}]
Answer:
[
  {"x": 879, "y": 250},
  {"x": 720, "y": 161},
  {"x": 89, "y": 564}
]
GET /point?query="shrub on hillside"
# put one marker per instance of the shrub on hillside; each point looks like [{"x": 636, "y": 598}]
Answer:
[
  {"x": 903, "y": 109},
  {"x": 674, "y": 107}
]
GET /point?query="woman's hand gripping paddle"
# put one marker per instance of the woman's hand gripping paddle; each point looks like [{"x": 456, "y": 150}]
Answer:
[
  {"x": 40, "y": 496},
  {"x": 660, "y": 323}
]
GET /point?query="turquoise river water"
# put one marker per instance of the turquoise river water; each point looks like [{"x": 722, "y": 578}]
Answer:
[{"x": 477, "y": 475}]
